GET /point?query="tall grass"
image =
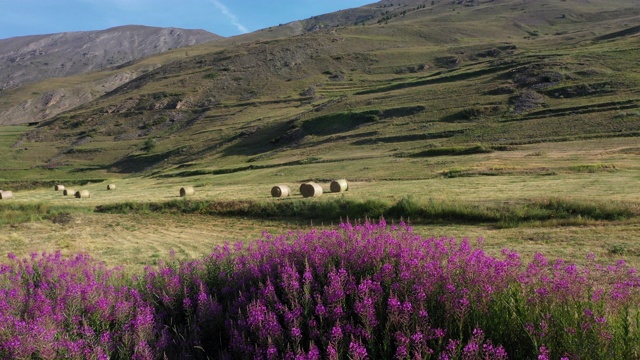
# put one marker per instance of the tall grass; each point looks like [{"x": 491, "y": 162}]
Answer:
[
  {"x": 432, "y": 211},
  {"x": 365, "y": 291},
  {"x": 36, "y": 184},
  {"x": 15, "y": 213},
  {"x": 453, "y": 150}
]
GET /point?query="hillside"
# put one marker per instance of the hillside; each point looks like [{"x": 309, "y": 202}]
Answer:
[{"x": 494, "y": 74}]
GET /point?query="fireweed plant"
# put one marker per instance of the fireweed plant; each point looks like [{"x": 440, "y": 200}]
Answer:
[
  {"x": 57, "y": 308},
  {"x": 362, "y": 291}
]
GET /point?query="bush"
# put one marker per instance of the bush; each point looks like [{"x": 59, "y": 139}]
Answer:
[
  {"x": 75, "y": 308},
  {"x": 359, "y": 291},
  {"x": 149, "y": 145}
]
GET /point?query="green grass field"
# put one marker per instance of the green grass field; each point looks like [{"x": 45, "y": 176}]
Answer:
[{"x": 596, "y": 172}]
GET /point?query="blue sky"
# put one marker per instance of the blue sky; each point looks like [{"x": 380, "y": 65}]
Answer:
[{"x": 223, "y": 17}]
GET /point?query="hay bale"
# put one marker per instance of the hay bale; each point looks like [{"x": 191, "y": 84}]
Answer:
[
  {"x": 4, "y": 195},
  {"x": 68, "y": 192},
  {"x": 59, "y": 187},
  {"x": 310, "y": 189},
  {"x": 111, "y": 187},
  {"x": 339, "y": 185},
  {"x": 187, "y": 191},
  {"x": 83, "y": 194},
  {"x": 280, "y": 191}
]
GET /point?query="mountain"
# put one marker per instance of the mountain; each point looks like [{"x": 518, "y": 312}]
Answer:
[
  {"x": 394, "y": 78},
  {"x": 28, "y": 59}
]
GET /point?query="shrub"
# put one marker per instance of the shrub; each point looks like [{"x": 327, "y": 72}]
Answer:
[
  {"x": 360, "y": 291},
  {"x": 149, "y": 145},
  {"x": 75, "y": 308}
]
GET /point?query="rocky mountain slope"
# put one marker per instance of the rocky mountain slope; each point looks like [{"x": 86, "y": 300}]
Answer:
[
  {"x": 35, "y": 70},
  {"x": 28, "y": 59}
]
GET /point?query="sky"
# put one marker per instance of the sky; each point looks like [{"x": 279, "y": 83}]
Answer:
[{"x": 222, "y": 17}]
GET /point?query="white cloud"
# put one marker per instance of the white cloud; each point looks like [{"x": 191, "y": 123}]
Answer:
[{"x": 229, "y": 15}]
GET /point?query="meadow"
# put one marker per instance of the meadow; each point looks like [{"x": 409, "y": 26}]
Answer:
[{"x": 564, "y": 199}]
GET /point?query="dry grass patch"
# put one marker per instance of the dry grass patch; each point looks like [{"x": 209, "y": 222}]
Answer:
[
  {"x": 139, "y": 240},
  {"x": 131, "y": 240}
]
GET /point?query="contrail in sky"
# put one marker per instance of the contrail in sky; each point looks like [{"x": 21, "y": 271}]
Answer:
[{"x": 231, "y": 16}]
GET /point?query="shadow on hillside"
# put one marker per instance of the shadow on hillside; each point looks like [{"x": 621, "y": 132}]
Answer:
[
  {"x": 141, "y": 162},
  {"x": 288, "y": 133}
]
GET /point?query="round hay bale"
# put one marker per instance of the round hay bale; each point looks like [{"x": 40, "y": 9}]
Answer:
[
  {"x": 339, "y": 185},
  {"x": 4, "y": 195},
  {"x": 280, "y": 191},
  {"x": 68, "y": 192},
  {"x": 59, "y": 187},
  {"x": 187, "y": 191},
  {"x": 306, "y": 188},
  {"x": 83, "y": 194},
  {"x": 111, "y": 187},
  {"x": 310, "y": 189}
]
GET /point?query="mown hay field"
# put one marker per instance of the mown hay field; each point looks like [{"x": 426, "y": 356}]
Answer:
[{"x": 602, "y": 172}]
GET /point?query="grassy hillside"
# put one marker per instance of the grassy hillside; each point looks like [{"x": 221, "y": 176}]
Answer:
[
  {"x": 479, "y": 107},
  {"x": 489, "y": 74}
]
